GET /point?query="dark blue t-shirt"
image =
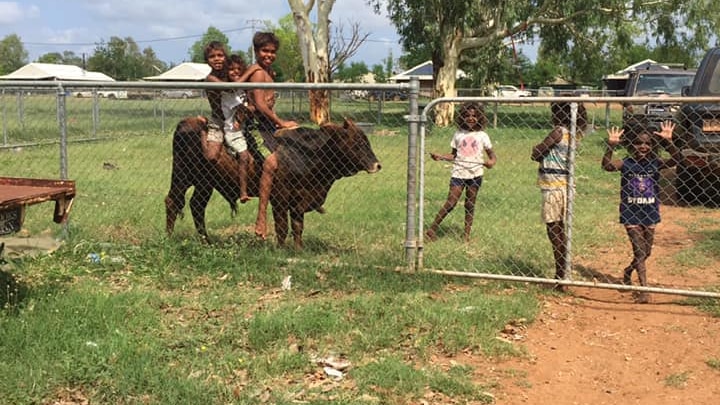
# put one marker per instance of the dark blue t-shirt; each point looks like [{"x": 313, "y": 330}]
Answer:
[{"x": 639, "y": 191}]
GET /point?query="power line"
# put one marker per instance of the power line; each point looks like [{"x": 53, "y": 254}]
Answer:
[{"x": 143, "y": 41}]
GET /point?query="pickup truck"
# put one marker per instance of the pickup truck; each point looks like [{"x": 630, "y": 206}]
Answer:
[{"x": 698, "y": 137}]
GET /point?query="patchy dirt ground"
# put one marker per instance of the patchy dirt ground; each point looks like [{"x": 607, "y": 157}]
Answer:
[{"x": 594, "y": 346}]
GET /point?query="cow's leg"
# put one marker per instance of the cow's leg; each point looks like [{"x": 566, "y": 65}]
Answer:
[
  {"x": 298, "y": 223},
  {"x": 198, "y": 202},
  {"x": 175, "y": 200}
]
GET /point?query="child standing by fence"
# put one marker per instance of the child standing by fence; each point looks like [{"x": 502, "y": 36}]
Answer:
[
  {"x": 639, "y": 190},
  {"x": 553, "y": 155},
  {"x": 468, "y": 144}
]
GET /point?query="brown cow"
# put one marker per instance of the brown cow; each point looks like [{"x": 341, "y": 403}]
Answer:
[
  {"x": 192, "y": 169},
  {"x": 309, "y": 162}
]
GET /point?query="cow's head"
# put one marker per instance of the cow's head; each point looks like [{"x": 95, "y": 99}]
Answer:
[{"x": 352, "y": 149}]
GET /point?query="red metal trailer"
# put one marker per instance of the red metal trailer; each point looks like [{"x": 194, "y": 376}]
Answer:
[{"x": 17, "y": 193}]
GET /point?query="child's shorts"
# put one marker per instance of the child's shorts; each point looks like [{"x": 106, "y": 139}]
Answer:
[
  {"x": 215, "y": 130},
  {"x": 236, "y": 141},
  {"x": 554, "y": 203}
]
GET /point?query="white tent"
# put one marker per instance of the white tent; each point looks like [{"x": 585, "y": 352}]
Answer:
[
  {"x": 51, "y": 71},
  {"x": 184, "y": 72}
]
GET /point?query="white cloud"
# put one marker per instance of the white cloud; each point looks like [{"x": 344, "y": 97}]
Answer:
[{"x": 10, "y": 12}]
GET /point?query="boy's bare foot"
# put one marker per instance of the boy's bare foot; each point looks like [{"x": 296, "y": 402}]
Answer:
[
  {"x": 320, "y": 210},
  {"x": 261, "y": 229},
  {"x": 244, "y": 198},
  {"x": 430, "y": 234}
]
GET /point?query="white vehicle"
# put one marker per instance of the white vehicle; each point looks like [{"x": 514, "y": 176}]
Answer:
[
  {"x": 179, "y": 93},
  {"x": 510, "y": 92},
  {"x": 111, "y": 94}
]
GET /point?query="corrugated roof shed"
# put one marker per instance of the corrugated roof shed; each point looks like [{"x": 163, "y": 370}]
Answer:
[
  {"x": 52, "y": 71},
  {"x": 186, "y": 72}
]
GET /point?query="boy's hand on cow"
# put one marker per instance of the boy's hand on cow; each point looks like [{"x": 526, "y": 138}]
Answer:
[{"x": 288, "y": 125}]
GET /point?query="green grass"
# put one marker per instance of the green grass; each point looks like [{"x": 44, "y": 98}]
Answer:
[
  {"x": 178, "y": 322},
  {"x": 677, "y": 380},
  {"x": 166, "y": 320}
]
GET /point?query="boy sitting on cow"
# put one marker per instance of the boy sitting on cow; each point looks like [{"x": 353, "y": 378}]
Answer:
[{"x": 230, "y": 107}]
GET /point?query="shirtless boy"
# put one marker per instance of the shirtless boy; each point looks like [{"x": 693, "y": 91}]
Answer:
[{"x": 265, "y": 45}]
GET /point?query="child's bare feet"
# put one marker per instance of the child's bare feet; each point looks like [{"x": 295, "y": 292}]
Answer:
[
  {"x": 261, "y": 229},
  {"x": 641, "y": 297},
  {"x": 244, "y": 198},
  {"x": 430, "y": 234}
]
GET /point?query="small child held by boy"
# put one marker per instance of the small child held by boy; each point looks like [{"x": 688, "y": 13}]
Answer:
[
  {"x": 639, "y": 189},
  {"x": 235, "y": 112},
  {"x": 468, "y": 144}
]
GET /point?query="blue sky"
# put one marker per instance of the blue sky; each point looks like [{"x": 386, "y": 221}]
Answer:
[{"x": 170, "y": 27}]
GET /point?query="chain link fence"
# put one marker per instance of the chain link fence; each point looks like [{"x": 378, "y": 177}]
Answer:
[
  {"x": 509, "y": 238},
  {"x": 116, "y": 142}
]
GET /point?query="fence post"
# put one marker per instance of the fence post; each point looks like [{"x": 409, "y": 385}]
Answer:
[
  {"x": 570, "y": 189},
  {"x": 21, "y": 108},
  {"x": 95, "y": 113},
  {"x": 4, "y": 118},
  {"x": 413, "y": 118},
  {"x": 62, "y": 124}
]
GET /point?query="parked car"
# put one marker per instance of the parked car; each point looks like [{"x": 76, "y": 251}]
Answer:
[
  {"x": 111, "y": 94},
  {"x": 510, "y": 92},
  {"x": 179, "y": 93},
  {"x": 698, "y": 137},
  {"x": 387, "y": 95},
  {"x": 546, "y": 92},
  {"x": 655, "y": 81}
]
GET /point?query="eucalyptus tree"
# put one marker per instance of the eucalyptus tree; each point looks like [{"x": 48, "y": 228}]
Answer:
[
  {"x": 321, "y": 50},
  {"x": 581, "y": 33}
]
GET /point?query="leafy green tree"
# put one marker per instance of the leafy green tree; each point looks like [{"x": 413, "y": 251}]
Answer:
[
  {"x": 351, "y": 73},
  {"x": 580, "y": 33},
  {"x": 64, "y": 58},
  {"x": 13, "y": 55},
  {"x": 289, "y": 63},
  {"x": 122, "y": 59},
  {"x": 197, "y": 50},
  {"x": 378, "y": 71}
]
